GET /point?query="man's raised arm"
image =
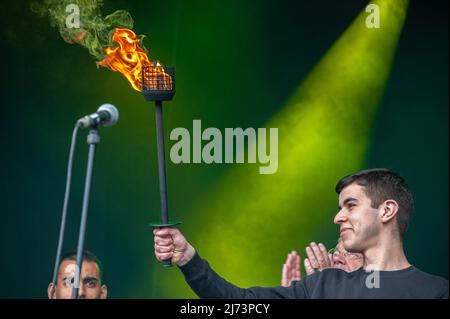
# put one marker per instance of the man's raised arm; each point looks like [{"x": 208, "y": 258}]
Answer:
[{"x": 171, "y": 244}]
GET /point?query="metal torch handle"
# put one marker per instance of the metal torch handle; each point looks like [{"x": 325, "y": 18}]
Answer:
[
  {"x": 162, "y": 169},
  {"x": 161, "y": 162}
]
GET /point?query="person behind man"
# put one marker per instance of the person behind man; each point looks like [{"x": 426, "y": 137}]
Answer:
[
  {"x": 91, "y": 286},
  {"x": 374, "y": 211},
  {"x": 319, "y": 259}
]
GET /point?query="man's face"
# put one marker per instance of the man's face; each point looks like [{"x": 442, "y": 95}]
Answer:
[
  {"x": 359, "y": 222},
  {"x": 90, "y": 284},
  {"x": 346, "y": 261}
]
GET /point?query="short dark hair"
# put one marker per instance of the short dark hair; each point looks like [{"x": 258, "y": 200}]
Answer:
[
  {"x": 87, "y": 256},
  {"x": 381, "y": 184}
]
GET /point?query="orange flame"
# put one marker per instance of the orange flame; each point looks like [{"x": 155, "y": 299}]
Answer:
[{"x": 128, "y": 58}]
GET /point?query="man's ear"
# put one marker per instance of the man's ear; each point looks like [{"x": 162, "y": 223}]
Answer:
[
  {"x": 104, "y": 292},
  {"x": 389, "y": 210},
  {"x": 50, "y": 293}
]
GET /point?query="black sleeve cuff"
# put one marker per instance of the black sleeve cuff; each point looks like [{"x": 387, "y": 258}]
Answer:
[{"x": 193, "y": 267}]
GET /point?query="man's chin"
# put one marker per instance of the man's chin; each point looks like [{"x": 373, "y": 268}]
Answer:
[{"x": 349, "y": 244}]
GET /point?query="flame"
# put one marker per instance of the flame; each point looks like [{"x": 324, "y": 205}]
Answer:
[{"x": 129, "y": 58}]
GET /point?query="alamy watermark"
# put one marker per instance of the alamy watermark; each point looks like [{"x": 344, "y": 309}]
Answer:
[
  {"x": 373, "y": 279},
  {"x": 72, "y": 276},
  {"x": 73, "y": 18},
  {"x": 228, "y": 147},
  {"x": 373, "y": 19}
]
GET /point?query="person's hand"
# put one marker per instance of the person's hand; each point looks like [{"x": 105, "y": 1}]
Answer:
[
  {"x": 170, "y": 244},
  {"x": 318, "y": 258},
  {"x": 291, "y": 269}
]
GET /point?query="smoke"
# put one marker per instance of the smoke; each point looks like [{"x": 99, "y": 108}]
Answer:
[{"x": 81, "y": 22}]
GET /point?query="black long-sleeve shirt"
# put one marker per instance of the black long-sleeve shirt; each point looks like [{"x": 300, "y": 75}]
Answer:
[{"x": 329, "y": 283}]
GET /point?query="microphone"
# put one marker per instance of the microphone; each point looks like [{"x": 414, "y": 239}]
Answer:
[{"x": 106, "y": 115}]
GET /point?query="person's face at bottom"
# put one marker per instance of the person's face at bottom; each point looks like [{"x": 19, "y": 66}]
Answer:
[
  {"x": 346, "y": 261},
  {"x": 90, "y": 284}
]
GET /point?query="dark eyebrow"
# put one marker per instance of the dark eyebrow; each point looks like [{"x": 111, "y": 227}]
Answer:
[
  {"x": 87, "y": 279},
  {"x": 347, "y": 200}
]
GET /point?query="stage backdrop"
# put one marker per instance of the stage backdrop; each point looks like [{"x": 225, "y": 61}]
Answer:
[{"x": 343, "y": 96}]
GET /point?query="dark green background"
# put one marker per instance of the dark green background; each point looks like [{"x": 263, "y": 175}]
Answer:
[{"x": 225, "y": 53}]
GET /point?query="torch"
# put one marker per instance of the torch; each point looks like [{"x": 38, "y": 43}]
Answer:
[{"x": 158, "y": 84}]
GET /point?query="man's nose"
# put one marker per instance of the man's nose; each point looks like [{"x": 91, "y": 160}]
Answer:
[
  {"x": 339, "y": 218},
  {"x": 81, "y": 291},
  {"x": 338, "y": 259}
]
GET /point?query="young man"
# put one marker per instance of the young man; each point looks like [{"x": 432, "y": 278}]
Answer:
[
  {"x": 374, "y": 210},
  {"x": 91, "y": 286},
  {"x": 319, "y": 259}
]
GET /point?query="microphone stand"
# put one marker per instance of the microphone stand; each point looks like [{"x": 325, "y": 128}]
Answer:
[{"x": 93, "y": 139}]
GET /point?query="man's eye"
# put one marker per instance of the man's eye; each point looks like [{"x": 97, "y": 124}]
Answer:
[
  {"x": 68, "y": 282},
  {"x": 91, "y": 284}
]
